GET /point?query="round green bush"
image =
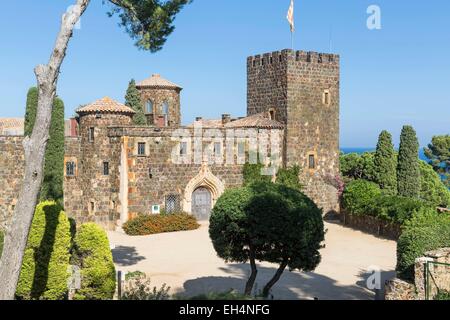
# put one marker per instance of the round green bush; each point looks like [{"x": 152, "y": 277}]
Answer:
[
  {"x": 44, "y": 272},
  {"x": 144, "y": 225},
  {"x": 427, "y": 230},
  {"x": 93, "y": 255},
  {"x": 358, "y": 195}
]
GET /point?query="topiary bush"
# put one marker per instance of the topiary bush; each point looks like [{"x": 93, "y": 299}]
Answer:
[
  {"x": 144, "y": 225},
  {"x": 427, "y": 230},
  {"x": 394, "y": 208},
  {"x": 93, "y": 255},
  {"x": 358, "y": 195},
  {"x": 433, "y": 190},
  {"x": 44, "y": 272}
]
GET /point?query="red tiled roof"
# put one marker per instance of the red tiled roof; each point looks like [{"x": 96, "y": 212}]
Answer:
[
  {"x": 12, "y": 126},
  {"x": 259, "y": 121},
  {"x": 156, "y": 81},
  {"x": 105, "y": 105}
]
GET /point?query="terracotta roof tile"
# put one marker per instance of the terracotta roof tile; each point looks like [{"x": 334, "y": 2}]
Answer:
[
  {"x": 156, "y": 81},
  {"x": 105, "y": 105},
  {"x": 12, "y": 126},
  {"x": 260, "y": 120}
]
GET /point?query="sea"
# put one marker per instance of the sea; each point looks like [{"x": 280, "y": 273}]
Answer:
[{"x": 362, "y": 150}]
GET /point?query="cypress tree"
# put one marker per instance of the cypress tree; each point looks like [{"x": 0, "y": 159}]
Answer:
[
  {"x": 52, "y": 186},
  {"x": 31, "y": 109},
  {"x": 408, "y": 170},
  {"x": 385, "y": 164},
  {"x": 133, "y": 100}
]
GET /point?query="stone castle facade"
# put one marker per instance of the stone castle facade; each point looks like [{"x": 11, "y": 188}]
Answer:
[{"x": 115, "y": 170}]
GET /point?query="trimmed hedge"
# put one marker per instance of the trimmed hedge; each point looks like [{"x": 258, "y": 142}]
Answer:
[
  {"x": 93, "y": 255},
  {"x": 144, "y": 225},
  {"x": 358, "y": 195},
  {"x": 427, "y": 230},
  {"x": 2, "y": 239},
  {"x": 44, "y": 272},
  {"x": 394, "y": 208}
]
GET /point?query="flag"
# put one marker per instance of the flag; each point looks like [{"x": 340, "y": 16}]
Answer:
[{"x": 290, "y": 16}]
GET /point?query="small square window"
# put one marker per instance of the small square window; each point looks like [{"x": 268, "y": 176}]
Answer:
[
  {"x": 326, "y": 98},
  {"x": 217, "y": 149},
  {"x": 183, "y": 148},
  {"x": 241, "y": 149},
  {"x": 91, "y": 134},
  {"x": 106, "y": 168},
  {"x": 70, "y": 168},
  {"x": 173, "y": 203},
  {"x": 141, "y": 148},
  {"x": 312, "y": 161}
]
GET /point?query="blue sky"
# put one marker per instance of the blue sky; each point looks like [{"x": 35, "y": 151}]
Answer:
[{"x": 390, "y": 77}]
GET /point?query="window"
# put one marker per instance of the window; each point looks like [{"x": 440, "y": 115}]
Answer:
[
  {"x": 173, "y": 203},
  {"x": 312, "y": 161},
  {"x": 326, "y": 98},
  {"x": 141, "y": 148},
  {"x": 149, "y": 106},
  {"x": 272, "y": 114},
  {"x": 70, "y": 168},
  {"x": 91, "y": 134},
  {"x": 92, "y": 207},
  {"x": 165, "y": 108},
  {"x": 217, "y": 149},
  {"x": 241, "y": 149},
  {"x": 106, "y": 168},
  {"x": 183, "y": 148}
]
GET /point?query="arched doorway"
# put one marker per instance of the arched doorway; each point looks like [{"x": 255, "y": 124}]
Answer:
[{"x": 201, "y": 203}]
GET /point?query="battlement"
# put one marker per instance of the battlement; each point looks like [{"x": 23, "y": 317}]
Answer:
[{"x": 281, "y": 57}]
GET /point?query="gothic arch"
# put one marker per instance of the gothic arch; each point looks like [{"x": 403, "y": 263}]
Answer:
[{"x": 206, "y": 179}]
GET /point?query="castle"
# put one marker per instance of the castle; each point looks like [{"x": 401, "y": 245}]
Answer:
[{"x": 115, "y": 170}]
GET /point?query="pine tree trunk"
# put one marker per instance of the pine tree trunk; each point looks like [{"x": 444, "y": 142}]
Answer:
[
  {"x": 34, "y": 148},
  {"x": 275, "y": 278},
  {"x": 251, "y": 281}
]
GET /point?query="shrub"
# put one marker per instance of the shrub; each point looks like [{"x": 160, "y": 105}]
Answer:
[
  {"x": 93, "y": 255},
  {"x": 289, "y": 177},
  {"x": 44, "y": 272},
  {"x": 394, "y": 208},
  {"x": 433, "y": 190},
  {"x": 443, "y": 296},
  {"x": 139, "y": 287},
  {"x": 252, "y": 174},
  {"x": 2, "y": 239},
  {"x": 153, "y": 224},
  {"x": 358, "y": 166},
  {"x": 408, "y": 172},
  {"x": 427, "y": 230},
  {"x": 358, "y": 195},
  {"x": 385, "y": 162}
]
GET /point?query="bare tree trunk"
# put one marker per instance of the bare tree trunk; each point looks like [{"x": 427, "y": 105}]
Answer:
[
  {"x": 251, "y": 281},
  {"x": 34, "y": 148},
  {"x": 275, "y": 278}
]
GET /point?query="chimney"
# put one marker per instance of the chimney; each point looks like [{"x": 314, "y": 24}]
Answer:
[
  {"x": 198, "y": 119},
  {"x": 226, "y": 118}
]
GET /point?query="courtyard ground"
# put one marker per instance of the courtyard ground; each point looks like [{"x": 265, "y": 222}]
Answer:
[{"x": 187, "y": 262}]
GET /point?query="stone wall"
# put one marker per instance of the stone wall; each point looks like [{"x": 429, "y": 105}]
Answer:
[
  {"x": 158, "y": 97},
  {"x": 439, "y": 270},
  {"x": 12, "y": 163},
  {"x": 302, "y": 88},
  {"x": 372, "y": 225}
]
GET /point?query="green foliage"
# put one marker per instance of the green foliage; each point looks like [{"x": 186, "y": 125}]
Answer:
[
  {"x": 134, "y": 274},
  {"x": 385, "y": 162},
  {"x": 133, "y": 100},
  {"x": 93, "y": 255},
  {"x": 272, "y": 222},
  {"x": 433, "y": 190},
  {"x": 2, "y": 239},
  {"x": 44, "y": 272},
  {"x": 358, "y": 195},
  {"x": 252, "y": 174},
  {"x": 154, "y": 224},
  {"x": 394, "y": 208},
  {"x": 442, "y": 296},
  {"x": 408, "y": 171},
  {"x": 439, "y": 154},
  {"x": 427, "y": 230},
  {"x": 52, "y": 186},
  {"x": 31, "y": 110},
  {"x": 358, "y": 166},
  {"x": 139, "y": 287},
  {"x": 149, "y": 22},
  {"x": 289, "y": 177}
]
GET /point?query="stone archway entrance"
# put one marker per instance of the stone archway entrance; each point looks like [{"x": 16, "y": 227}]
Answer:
[{"x": 201, "y": 203}]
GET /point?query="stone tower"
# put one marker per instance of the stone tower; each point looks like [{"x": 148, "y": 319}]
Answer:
[
  {"x": 161, "y": 101},
  {"x": 98, "y": 163},
  {"x": 301, "y": 90}
]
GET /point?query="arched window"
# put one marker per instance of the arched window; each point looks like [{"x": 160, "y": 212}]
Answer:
[
  {"x": 149, "y": 106},
  {"x": 165, "y": 108}
]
